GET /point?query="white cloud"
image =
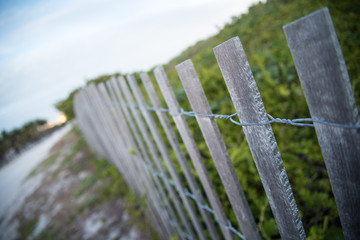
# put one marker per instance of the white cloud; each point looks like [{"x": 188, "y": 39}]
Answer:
[{"x": 53, "y": 46}]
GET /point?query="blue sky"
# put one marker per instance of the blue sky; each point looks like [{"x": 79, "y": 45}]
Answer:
[{"x": 48, "y": 48}]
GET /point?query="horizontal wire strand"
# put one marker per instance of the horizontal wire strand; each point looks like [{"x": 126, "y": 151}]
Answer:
[
  {"x": 299, "y": 122},
  {"x": 187, "y": 193}
]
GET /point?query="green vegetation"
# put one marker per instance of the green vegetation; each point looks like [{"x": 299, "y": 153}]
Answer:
[
  {"x": 27, "y": 228},
  {"x": 49, "y": 233},
  {"x": 113, "y": 187},
  {"x": 260, "y": 31},
  {"x": 44, "y": 165},
  {"x": 12, "y": 142}
]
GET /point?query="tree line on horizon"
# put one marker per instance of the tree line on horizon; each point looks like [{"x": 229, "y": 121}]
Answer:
[{"x": 14, "y": 141}]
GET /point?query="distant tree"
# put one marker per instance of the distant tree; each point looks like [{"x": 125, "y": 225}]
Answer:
[{"x": 18, "y": 138}]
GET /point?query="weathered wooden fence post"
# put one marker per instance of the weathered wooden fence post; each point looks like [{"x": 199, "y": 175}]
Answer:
[
  {"x": 87, "y": 113},
  {"x": 166, "y": 156},
  {"x": 156, "y": 158},
  {"x": 218, "y": 151},
  {"x": 113, "y": 86},
  {"x": 133, "y": 158},
  {"x": 322, "y": 70},
  {"x": 112, "y": 133},
  {"x": 178, "y": 152},
  {"x": 192, "y": 148},
  {"x": 250, "y": 108}
]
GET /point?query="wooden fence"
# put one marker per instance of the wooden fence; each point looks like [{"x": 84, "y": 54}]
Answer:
[{"x": 123, "y": 129}]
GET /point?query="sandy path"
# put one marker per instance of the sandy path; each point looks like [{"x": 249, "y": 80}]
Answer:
[{"x": 13, "y": 188}]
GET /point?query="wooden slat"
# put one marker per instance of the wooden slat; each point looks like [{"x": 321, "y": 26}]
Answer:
[
  {"x": 128, "y": 141},
  {"x": 97, "y": 125},
  {"x": 155, "y": 156},
  {"x": 93, "y": 115},
  {"x": 166, "y": 156},
  {"x": 192, "y": 148},
  {"x": 322, "y": 70},
  {"x": 113, "y": 154},
  {"x": 250, "y": 108},
  {"x": 113, "y": 134},
  {"x": 130, "y": 120},
  {"x": 178, "y": 152},
  {"x": 88, "y": 123},
  {"x": 122, "y": 138},
  {"x": 155, "y": 189},
  {"x": 85, "y": 124},
  {"x": 218, "y": 151}
]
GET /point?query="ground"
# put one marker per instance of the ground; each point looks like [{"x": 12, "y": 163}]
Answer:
[{"x": 81, "y": 196}]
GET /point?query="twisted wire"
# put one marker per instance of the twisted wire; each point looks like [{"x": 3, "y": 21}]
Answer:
[{"x": 299, "y": 122}]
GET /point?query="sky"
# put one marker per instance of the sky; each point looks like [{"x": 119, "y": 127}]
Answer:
[{"x": 49, "y": 48}]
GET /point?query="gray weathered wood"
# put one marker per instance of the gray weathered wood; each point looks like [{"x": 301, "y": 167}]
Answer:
[
  {"x": 218, "y": 151},
  {"x": 178, "y": 152},
  {"x": 89, "y": 123},
  {"x": 192, "y": 149},
  {"x": 112, "y": 132},
  {"x": 322, "y": 70},
  {"x": 97, "y": 124},
  {"x": 85, "y": 124},
  {"x": 153, "y": 190},
  {"x": 155, "y": 155},
  {"x": 250, "y": 108},
  {"x": 125, "y": 140},
  {"x": 166, "y": 156},
  {"x": 93, "y": 116},
  {"x": 169, "y": 208},
  {"x": 128, "y": 141},
  {"x": 107, "y": 138}
]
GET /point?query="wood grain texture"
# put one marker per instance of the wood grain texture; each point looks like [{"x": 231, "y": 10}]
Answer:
[
  {"x": 91, "y": 123},
  {"x": 91, "y": 114},
  {"x": 156, "y": 158},
  {"x": 122, "y": 139},
  {"x": 112, "y": 132},
  {"x": 175, "y": 145},
  {"x": 85, "y": 124},
  {"x": 218, "y": 151},
  {"x": 128, "y": 140},
  {"x": 131, "y": 120},
  {"x": 133, "y": 159},
  {"x": 324, "y": 78},
  {"x": 250, "y": 108},
  {"x": 98, "y": 121},
  {"x": 192, "y": 148},
  {"x": 166, "y": 156}
]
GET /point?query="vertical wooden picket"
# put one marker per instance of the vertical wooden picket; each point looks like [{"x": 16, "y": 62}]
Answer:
[
  {"x": 218, "y": 151},
  {"x": 166, "y": 156},
  {"x": 178, "y": 152},
  {"x": 192, "y": 148},
  {"x": 250, "y": 108},
  {"x": 156, "y": 157},
  {"x": 130, "y": 120},
  {"x": 322, "y": 71},
  {"x": 112, "y": 132},
  {"x": 90, "y": 116},
  {"x": 85, "y": 124},
  {"x": 128, "y": 141}
]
